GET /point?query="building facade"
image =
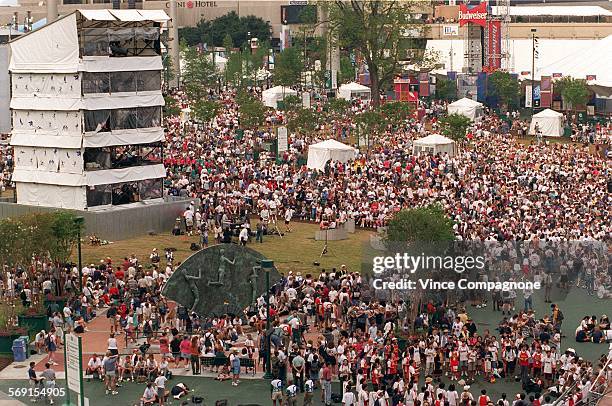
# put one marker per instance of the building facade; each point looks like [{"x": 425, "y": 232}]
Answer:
[{"x": 86, "y": 107}]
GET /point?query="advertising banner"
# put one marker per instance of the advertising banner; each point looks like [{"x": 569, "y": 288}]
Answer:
[
  {"x": 285, "y": 37},
  {"x": 528, "y": 90},
  {"x": 494, "y": 45},
  {"x": 473, "y": 15},
  {"x": 545, "y": 91},
  {"x": 424, "y": 84}
]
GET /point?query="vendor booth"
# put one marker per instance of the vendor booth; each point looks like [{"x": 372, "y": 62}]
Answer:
[
  {"x": 549, "y": 122},
  {"x": 466, "y": 107},
  {"x": 435, "y": 144},
  {"x": 273, "y": 95},
  {"x": 350, "y": 91},
  {"x": 320, "y": 153}
]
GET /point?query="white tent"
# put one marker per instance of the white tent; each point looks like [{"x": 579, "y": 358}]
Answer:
[
  {"x": 549, "y": 122},
  {"x": 434, "y": 144},
  {"x": 320, "y": 153},
  {"x": 273, "y": 95},
  {"x": 467, "y": 107},
  {"x": 354, "y": 90}
]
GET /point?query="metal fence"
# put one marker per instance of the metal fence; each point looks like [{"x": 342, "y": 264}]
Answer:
[{"x": 117, "y": 222}]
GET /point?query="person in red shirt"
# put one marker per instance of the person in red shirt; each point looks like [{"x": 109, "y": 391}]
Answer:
[
  {"x": 523, "y": 359},
  {"x": 537, "y": 363},
  {"x": 119, "y": 273}
]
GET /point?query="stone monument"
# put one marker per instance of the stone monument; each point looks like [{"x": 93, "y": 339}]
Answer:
[{"x": 220, "y": 279}]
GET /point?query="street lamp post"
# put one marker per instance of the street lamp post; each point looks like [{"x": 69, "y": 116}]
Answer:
[
  {"x": 533, "y": 39},
  {"x": 267, "y": 265},
  {"x": 78, "y": 222}
]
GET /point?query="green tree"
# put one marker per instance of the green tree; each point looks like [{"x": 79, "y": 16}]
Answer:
[
  {"x": 375, "y": 28},
  {"x": 205, "y": 110},
  {"x": 347, "y": 70},
  {"x": 338, "y": 106},
  {"x": 288, "y": 67},
  {"x": 446, "y": 89},
  {"x": 214, "y": 32},
  {"x": 424, "y": 224},
  {"x": 200, "y": 73},
  {"x": 169, "y": 73},
  {"x": 303, "y": 120},
  {"x": 228, "y": 44},
  {"x": 371, "y": 121},
  {"x": 65, "y": 230},
  {"x": 252, "y": 111},
  {"x": 454, "y": 126},
  {"x": 395, "y": 112},
  {"x": 506, "y": 88},
  {"x": 171, "y": 107},
  {"x": 292, "y": 102},
  {"x": 575, "y": 92}
]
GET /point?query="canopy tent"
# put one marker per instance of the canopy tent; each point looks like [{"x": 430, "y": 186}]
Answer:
[
  {"x": 549, "y": 122},
  {"x": 435, "y": 144},
  {"x": 466, "y": 107},
  {"x": 354, "y": 90},
  {"x": 320, "y": 153},
  {"x": 273, "y": 95}
]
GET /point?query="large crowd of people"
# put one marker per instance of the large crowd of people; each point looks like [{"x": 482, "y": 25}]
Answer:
[
  {"x": 331, "y": 325},
  {"x": 493, "y": 188}
]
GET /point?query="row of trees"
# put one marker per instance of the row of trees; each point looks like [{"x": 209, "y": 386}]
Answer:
[{"x": 47, "y": 235}]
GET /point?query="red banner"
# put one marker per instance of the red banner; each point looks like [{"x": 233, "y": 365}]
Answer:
[
  {"x": 545, "y": 91},
  {"x": 475, "y": 15},
  {"x": 424, "y": 84},
  {"x": 494, "y": 45}
]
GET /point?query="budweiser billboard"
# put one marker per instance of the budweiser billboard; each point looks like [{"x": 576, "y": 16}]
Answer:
[
  {"x": 475, "y": 15},
  {"x": 494, "y": 45}
]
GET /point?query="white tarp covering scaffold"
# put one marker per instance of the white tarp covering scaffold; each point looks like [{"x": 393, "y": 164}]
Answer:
[
  {"x": 46, "y": 122},
  {"x": 320, "y": 153},
  {"x": 104, "y": 177},
  {"x": 466, "y": 107},
  {"x": 123, "y": 64},
  {"x": 549, "y": 122},
  {"x": 54, "y": 48},
  {"x": 63, "y": 85},
  {"x": 435, "y": 144},
  {"x": 91, "y": 178},
  {"x": 89, "y": 102},
  {"x": 19, "y": 138},
  {"x": 61, "y": 160},
  {"x": 354, "y": 90},
  {"x": 273, "y": 95},
  {"x": 38, "y": 194},
  {"x": 123, "y": 137}
]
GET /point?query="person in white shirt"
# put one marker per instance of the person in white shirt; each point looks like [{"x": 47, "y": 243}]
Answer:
[
  {"x": 288, "y": 217},
  {"x": 244, "y": 236},
  {"x": 348, "y": 399},
  {"x": 291, "y": 394},
  {"x": 277, "y": 391}
]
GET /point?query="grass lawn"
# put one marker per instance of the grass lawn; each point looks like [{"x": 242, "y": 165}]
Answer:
[{"x": 296, "y": 251}]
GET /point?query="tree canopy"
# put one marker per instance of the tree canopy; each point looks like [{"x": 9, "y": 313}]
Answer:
[
  {"x": 199, "y": 74},
  {"x": 424, "y": 224},
  {"x": 575, "y": 92},
  {"x": 506, "y": 88},
  {"x": 376, "y": 28},
  {"x": 455, "y": 126},
  {"x": 288, "y": 67},
  {"x": 237, "y": 28},
  {"x": 251, "y": 109}
]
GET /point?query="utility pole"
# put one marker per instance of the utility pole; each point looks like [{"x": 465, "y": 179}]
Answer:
[{"x": 533, "y": 52}]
